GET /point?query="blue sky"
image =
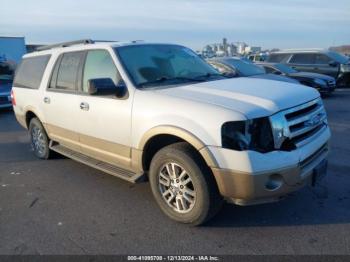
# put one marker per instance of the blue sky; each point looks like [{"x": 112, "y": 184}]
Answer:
[{"x": 270, "y": 23}]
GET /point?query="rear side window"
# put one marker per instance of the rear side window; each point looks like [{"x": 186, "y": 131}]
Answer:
[
  {"x": 303, "y": 58},
  {"x": 65, "y": 73},
  {"x": 277, "y": 58},
  {"x": 30, "y": 72}
]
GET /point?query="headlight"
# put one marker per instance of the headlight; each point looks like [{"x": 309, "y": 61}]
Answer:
[
  {"x": 320, "y": 82},
  {"x": 255, "y": 134}
]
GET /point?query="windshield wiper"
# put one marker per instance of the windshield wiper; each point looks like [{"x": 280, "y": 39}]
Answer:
[
  {"x": 170, "y": 79},
  {"x": 206, "y": 76}
]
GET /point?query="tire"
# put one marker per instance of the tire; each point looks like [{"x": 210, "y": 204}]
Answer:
[
  {"x": 193, "y": 197},
  {"x": 39, "y": 139}
]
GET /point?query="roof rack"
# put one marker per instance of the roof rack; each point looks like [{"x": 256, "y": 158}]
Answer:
[
  {"x": 65, "y": 44},
  {"x": 71, "y": 43}
]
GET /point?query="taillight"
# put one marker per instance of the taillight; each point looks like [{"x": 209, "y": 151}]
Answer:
[{"x": 13, "y": 98}]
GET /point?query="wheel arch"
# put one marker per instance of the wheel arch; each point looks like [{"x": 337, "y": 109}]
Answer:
[{"x": 161, "y": 136}]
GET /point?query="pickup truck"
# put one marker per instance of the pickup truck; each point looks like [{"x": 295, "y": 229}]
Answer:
[{"x": 159, "y": 113}]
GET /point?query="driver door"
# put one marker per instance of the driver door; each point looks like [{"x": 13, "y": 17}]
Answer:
[{"x": 104, "y": 124}]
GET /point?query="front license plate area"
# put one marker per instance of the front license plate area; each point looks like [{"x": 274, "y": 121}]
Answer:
[{"x": 319, "y": 172}]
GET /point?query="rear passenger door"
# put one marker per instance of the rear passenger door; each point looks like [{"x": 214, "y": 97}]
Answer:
[
  {"x": 104, "y": 124},
  {"x": 61, "y": 103}
]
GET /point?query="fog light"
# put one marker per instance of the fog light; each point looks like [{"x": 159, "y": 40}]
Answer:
[{"x": 274, "y": 182}]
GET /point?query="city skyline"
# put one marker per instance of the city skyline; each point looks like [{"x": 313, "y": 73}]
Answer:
[{"x": 272, "y": 24}]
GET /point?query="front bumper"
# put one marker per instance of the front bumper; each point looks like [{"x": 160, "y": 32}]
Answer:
[
  {"x": 5, "y": 100},
  {"x": 248, "y": 177}
]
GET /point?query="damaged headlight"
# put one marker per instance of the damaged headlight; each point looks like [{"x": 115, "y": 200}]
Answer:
[{"x": 255, "y": 134}]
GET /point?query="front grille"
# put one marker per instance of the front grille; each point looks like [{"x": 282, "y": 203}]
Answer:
[{"x": 299, "y": 124}]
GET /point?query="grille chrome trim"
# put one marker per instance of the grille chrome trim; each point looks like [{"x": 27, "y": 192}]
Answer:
[{"x": 294, "y": 122}]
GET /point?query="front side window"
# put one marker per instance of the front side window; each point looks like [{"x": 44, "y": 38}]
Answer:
[
  {"x": 99, "y": 64},
  {"x": 322, "y": 59},
  {"x": 156, "y": 65},
  {"x": 303, "y": 58},
  {"x": 30, "y": 71},
  {"x": 67, "y": 71}
]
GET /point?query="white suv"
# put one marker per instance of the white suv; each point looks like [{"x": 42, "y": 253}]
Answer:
[{"x": 140, "y": 110}]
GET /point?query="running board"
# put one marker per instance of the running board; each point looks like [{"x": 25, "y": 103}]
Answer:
[{"x": 100, "y": 165}]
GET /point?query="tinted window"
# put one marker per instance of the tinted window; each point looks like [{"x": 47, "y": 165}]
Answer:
[
  {"x": 322, "y": 59},
  {"x": 30, "y": 71},
  {"x": 269, "y": 70},
  {"x": 223, "y": 69},
  {"x": 285, "y": 69},
  {"x": 246, "y": 68},
  {"x": 303, "y": 58},
  {"x": 338, "y": 57},
  {"x": 277, "y": 58},
  {"x": 68, "y": 71},
  {"x": 99, "y": 64}
]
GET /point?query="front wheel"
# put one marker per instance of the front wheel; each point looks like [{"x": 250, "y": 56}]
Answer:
[
  {"x": 183, "y": 186},
  {"x": 39, "y": 139}
]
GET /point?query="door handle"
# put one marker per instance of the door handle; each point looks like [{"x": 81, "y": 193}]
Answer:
[
  {"x": 47, "y": 100},
  {"x": 84, "y": 106}
]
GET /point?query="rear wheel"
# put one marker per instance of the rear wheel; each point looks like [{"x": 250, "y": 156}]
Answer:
[
  {"x": 183, "y": 186},
  {"x": 39, "y": 139}
]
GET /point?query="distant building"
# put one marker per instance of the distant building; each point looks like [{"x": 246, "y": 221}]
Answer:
[
  {"x": 241, "y": 47},
  {"x": 12, "y": 49},
  {"x": 344, "y": 49},
  {"x": 219, "y": 49}
]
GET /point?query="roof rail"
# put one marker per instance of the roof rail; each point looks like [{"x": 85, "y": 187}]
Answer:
[
  {"x": 300, "y": 50},
  {"x": 66, "y": 44}
]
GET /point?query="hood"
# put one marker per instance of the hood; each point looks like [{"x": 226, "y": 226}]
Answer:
[
  {"x": 249, "y": 96},
  {"x": 312, "y": 75},
  {"x": 276, "y": 78}
]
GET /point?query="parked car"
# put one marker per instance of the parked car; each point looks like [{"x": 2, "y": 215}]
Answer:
[
  {"x": 257, "y": 57},
  {"x": 317, "y": 61},
  {"x": 323, "y": 83},
  {"x": 6, "y": 78},
  {"x": 140, "y": 110},
  {"x": 237, "y": 67}
]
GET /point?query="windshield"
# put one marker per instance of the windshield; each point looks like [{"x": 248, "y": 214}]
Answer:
[
  {"x": 285, "y": 69},
  {"x": 246, "y": 68},
  {"x": 338, "y": 57},
  {"x": 158, "y": 64}
]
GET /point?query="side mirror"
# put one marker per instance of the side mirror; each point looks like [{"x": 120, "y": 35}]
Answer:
[
  {"x": 277, "y": 73},
  {"x": 333, "y": 64},
  {"x": 105, "y": 87}
]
